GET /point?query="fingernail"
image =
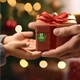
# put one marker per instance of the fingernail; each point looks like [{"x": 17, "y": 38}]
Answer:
[
  {"x": 56, "y": 31},
  {"x": 27, "y": 44}
]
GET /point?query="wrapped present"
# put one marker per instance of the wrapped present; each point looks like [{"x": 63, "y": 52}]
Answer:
[{"x": 45, "y": 24}]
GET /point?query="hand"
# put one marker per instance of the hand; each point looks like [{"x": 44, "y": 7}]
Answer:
[
  {"x": 71, "y": 49},
  {"x": 21, "y": 36},
  {"x": 16, "y": 48}
]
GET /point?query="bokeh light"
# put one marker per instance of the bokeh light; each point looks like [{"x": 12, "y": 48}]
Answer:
[
  {"x": 3, "y": 1},
  {"x": 18, "y": 28},
  {"x": 37, "y": 6},
  {"x": 43, "y": 64},
  {"x": 12, "y": 3},
  {"x": 28, "y": 7},
  {"x": 20, "y": 6},
  {"x": 37, "y": 16},
  {"x": 0, "y": 16},
  {"x": 23, "y": 63},
  {"x": 32, "y": 12},
  {"x": 61, "y": 65}
]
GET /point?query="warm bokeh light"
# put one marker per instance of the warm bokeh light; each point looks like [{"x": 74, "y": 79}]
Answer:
[
  {"x": 12, "y": 3},
  {"x": 0, "y": 16},
  {"x": 20, "y": 6},
  {"x": 61, "y": 64},
  {"x": 37, "y": 16},
  {"x": 37, "y": 6},
  {"x": 32, "y": 12},
  {"x": 43, "y": 64},
  {"x": 23, "y": 63},
  {"x": 18, "y": 28},
  {"x": 28, "y": 7},
  {"x": 3, "y": 1}
]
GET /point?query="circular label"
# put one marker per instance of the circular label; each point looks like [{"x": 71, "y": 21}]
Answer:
[{"x": 41, "y": 37}]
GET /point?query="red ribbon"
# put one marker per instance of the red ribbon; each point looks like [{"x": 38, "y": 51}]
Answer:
[{"x": 48, "y": 18}]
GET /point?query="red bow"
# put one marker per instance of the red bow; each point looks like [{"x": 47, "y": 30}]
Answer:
[{"x": 61, "y": 18}]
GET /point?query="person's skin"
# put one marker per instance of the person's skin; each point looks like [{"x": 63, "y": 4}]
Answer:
[
  {"x": 71, "y": 49},
  {"x": 21, "y": 36},
  {"x": 19, "y": 45}
]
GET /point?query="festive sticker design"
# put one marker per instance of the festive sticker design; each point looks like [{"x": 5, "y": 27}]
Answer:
[{"x": 41, "y": 37}]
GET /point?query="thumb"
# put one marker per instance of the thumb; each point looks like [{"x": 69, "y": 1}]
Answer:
[
  {"x": 32, "y": 25},
  {"x": 66, "y": 31},
  {"x": 19, "y": 44},
  {"x": 60, "y": 32}
]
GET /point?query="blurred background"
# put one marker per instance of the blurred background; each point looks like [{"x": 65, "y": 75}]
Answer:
[{"x": 14, "y": 17}]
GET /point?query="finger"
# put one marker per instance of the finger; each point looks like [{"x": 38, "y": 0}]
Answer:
[
  {"x": 19, "y": 44},
  {"x": 71, "y": 45},
  {"x": 71, "y": 55},
  {"x": 32, "y": 25},
  {"x": 20, "y": 53},
  {"x": 32, "y": 55},
  {"x": 31, "y": 44},
  {"x": 66, "y": 56},
  {"x": 29, "y": 40},
  {"x": 56, "y": 52},
  {"x": 27, "y": 34},
  {"x": 33, "y": 40},
  {"x": 30, "y": 48},
  {"x": 66, "y": 31},
  {"x": 35, "y": 54}
]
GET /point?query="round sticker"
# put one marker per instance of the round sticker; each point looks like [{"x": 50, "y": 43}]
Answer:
[{"x": 41, "y": 37}]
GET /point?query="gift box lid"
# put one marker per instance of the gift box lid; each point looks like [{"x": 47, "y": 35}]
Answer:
[{"x": 42, "y": 28}]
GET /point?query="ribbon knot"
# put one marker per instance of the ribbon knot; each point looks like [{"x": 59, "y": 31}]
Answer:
[{"x": 48, "y": 18}]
